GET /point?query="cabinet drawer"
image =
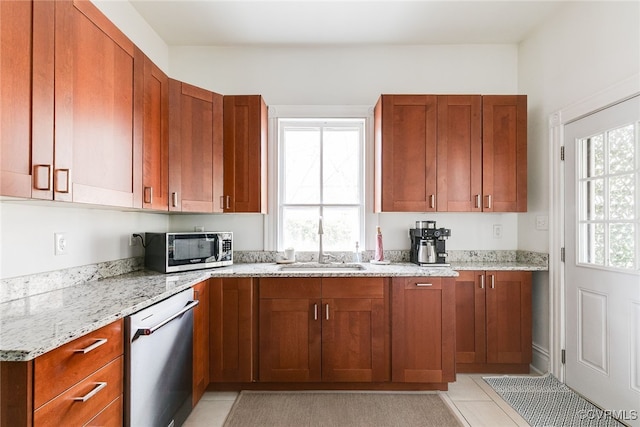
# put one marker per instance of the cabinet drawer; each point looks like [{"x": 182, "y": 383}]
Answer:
[
  {"x": 353, "y": 287},
  {"x": 98, "y": 390},
  {"x": 63, "y": 367},
  {"x": 111, "y": 416}
]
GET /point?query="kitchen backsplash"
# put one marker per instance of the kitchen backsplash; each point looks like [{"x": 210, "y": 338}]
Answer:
[{"x": 24, "y": 286}]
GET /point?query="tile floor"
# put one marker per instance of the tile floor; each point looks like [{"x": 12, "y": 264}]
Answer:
[{"x": 471, "y": 399}]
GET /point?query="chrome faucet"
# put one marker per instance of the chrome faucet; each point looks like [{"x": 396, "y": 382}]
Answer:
[{"x": 320, "y": 251}]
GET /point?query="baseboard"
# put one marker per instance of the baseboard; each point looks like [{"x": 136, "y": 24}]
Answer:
[{"x": 540, "y": 361}]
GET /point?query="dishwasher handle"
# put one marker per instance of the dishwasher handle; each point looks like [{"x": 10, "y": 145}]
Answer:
[{"x": 148, "y": 331}]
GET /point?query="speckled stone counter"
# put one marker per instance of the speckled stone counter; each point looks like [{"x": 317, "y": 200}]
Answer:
[{"x": 33, "y": 325}]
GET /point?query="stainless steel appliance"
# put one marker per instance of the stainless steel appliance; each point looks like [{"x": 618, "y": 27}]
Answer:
[
  {"x": 159, "y": 361},
  {"x": 428, "y": 244},
  {"x": 173, "y": 252}
]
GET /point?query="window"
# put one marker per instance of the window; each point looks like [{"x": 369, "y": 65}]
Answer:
[
  {"x": 608, "y": 184},
  {"x": 320, "y": 174}
]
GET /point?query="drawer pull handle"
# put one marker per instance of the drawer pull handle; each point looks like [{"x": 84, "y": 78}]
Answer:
[
  {"x": 493, "y": 281},
  {"x": 92, "y": 347},
  {"x": 482, "y": 281},
  {"x": 315, "y": 311},
  {"x": 99, "y": 386},
  {"x": 327, "y": 311},
  {"x": 37, "y": 177},
  {"x": 424, "y": 284},
  {"x": 477, "y": 205}
]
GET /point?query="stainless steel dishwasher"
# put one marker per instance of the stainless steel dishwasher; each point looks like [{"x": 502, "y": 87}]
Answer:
[{"x": 159, "y": 360}]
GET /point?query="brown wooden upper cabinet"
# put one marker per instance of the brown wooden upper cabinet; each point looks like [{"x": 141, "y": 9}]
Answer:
[
  {"x": 155, "y": 137},
  {"x": 195, "y": 148},
  {"x": 245, "y": 154},
  {"x": 450, "y": 153},
  {"x": 97, "y": 148},
  {"x": 504, "y": 153},
  {"x": 26, "y": 99}
]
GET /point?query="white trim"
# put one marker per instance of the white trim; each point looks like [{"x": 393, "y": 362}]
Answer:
[
  {"x": 277, "y": 112},
  {"x": 540, "y": 359},
  {"x": 557, "y": 121}
]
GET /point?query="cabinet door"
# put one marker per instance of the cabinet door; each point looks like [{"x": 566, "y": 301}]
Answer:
[
  {"x": 194, "y": 148},
  {"x": 233, "y": 330},
  {"x": 508, "y": 298},
  {"x": 423, "y": 330},
  {"x": 97, "y": 152},
  {"x": 355, "y": 334},
  {"x": 200, "y": 341},
  {"x": 155, "y": 147},
  {"x": 504, "y": 153},
  {"x": 245, "y": 154},
  {"x": 470, "y": 317},
  {"x": 405, "y": 144},
  {"x": 459, "y": 153},
  {"x": 26, "y": 98},
  {"x": 290, "y": 330}
]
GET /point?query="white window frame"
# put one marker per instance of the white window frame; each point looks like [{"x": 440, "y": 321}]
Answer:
[{"x": 276, "y": 112}]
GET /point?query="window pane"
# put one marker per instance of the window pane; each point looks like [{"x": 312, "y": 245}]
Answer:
[
  {"x": 341, "y": 228},
  {"x": 621, "y": 149},
  {"x": 341, "y": 166},
  {"x": 621, "y": 245},
  {"x": 300, "y": 228},
  {"x": 301, "y": 165},
  {"x": 621, "y": 197}
]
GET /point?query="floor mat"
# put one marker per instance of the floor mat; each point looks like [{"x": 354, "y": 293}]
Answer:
[{"x": 546, "y": 402}]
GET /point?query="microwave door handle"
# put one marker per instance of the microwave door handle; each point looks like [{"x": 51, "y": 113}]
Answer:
[{"x": 220, "y": 247}]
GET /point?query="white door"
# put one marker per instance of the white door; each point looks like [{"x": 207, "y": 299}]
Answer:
[{"x": 602, "y": 258}]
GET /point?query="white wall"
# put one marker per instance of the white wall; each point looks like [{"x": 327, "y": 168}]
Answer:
[
  {"x": 354, "y": 76},
  {"x": 583, "y": 49},
  {"x": 93, "y": 235}
]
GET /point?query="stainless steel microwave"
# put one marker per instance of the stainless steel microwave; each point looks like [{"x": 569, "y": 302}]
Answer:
[{"x": 173, "y": 252}]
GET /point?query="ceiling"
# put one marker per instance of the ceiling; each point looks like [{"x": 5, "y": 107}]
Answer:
[{"x": 331, "y": 22}]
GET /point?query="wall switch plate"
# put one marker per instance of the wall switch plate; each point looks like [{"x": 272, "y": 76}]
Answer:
[
  {"x": 542, "y": 222},
  {"x": 133, "y": 240},
  {"x": 61, "y": 244},
  {"x": 497, "y": 231},
  {"x": 198, "y": 228}
]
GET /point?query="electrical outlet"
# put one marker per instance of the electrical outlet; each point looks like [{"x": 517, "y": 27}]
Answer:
[
  {"x": 61, "y": 244},
  {"x": 198, "y": 228},
  {"x": 133, "y": 240},
  {"x": 497, "y": 231},
  {"x": 542, "y": 222}
]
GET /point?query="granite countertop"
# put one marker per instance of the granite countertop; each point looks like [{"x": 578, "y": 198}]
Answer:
[{"x": 33, "y": 325}]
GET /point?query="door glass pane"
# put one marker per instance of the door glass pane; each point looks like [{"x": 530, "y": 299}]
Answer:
[
  {"x": 621, "y": 245},
  {"x": 621, "y": 197},
  {"x": 608, "y": 177},
  {"x": 621, "y": 149},
  {"x": 301, "y": 165},
  {"x": 341, "y": 166}
]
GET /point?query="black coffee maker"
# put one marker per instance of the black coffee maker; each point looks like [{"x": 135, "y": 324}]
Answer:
[{"x": 428, "y": 244}]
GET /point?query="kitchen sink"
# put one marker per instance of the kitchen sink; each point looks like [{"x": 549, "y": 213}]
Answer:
[{"x": 321, "y": 268}]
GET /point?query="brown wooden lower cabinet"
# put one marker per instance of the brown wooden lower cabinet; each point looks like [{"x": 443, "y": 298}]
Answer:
[
  {"x": 330, "y": 330},
  {"x": 233, "y": 330},
  {"x": 200, "y": 341},
  {"x": 493, "y": 321},
  {"x": 45, "y": 390},
  {"x": 423, "y": 330}
]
